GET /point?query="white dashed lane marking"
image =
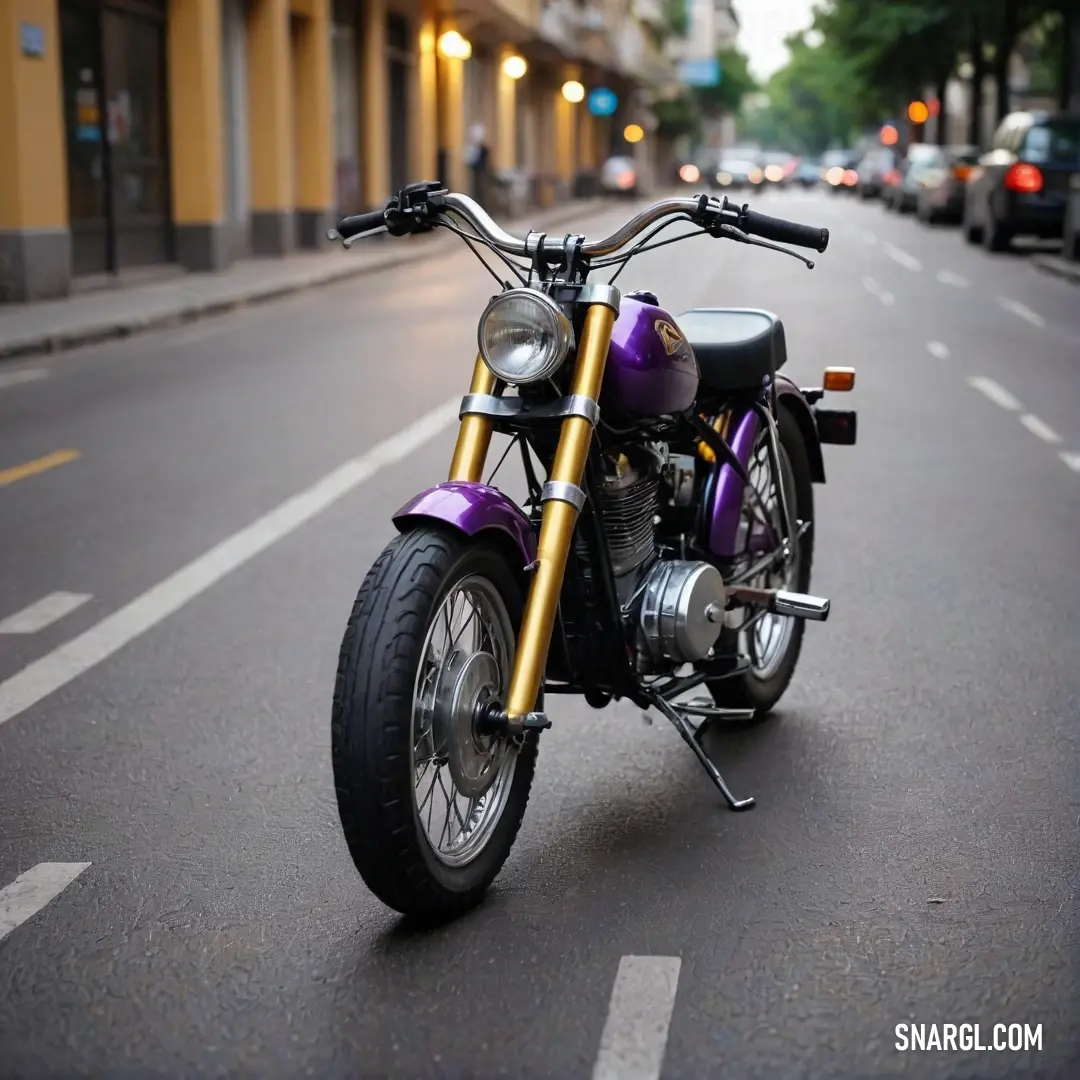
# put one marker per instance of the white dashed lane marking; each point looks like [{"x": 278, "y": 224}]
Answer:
[
  {"x": 874, "y": 288},
  {"x": 18, "y": 378},
  {"x": 1040, "y": 429},
  {"x": 635, "y": 1034},
  {"x": 43, "y": 612},
  {"x": 1022, "y": 310},
  {"x": 938, "y": 349},
  {"x": 996, "y": 393},
  {"x": 904, "y": 258},
  {"x": 57, "y": 668},
  {"x": 30, "y": 892},
  {"x": 1071, "y": 459},
  {"x": 949, "y": 277}
]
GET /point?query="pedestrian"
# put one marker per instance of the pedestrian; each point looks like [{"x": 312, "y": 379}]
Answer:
[{"x": 477, "y": 157}]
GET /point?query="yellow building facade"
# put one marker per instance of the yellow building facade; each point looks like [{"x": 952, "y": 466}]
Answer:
[{"x": 136, "y": 133}]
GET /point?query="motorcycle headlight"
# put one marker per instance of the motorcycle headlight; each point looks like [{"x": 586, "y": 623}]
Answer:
[{"x": 524, "y": 337}]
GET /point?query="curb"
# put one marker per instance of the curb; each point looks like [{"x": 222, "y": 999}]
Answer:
[
  {"x": 1058, "y": 267},
  {"x": 124, "y": 326}
]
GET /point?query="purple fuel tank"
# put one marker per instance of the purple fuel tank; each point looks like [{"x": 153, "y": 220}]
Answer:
[{"x": 651, "y": 368}]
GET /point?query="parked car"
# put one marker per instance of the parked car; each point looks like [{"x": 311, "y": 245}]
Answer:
[
  {"x": 808, "y": 174},
  {"x": 872, "y": 171},
  {"x": 941, "y": 197},
  {"x": 899, "y": 195},
  {"x": 735, "y": 174},
  {"x": 619, "y": 176},
  {"x": 838, "y": 169},
  {"x": 1021, "y": 186}
]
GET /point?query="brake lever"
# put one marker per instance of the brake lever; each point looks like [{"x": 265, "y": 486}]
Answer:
[
  {"x": 333, "y": 234},
  {"x": 733, "y": 233}
]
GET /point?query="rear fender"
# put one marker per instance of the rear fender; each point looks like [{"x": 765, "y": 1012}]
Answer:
[
  {"x": 471, "y": 509},
  {"x": 790, "y": 397}
]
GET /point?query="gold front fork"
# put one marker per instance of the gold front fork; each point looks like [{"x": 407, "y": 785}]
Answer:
[
  {"x": 563, "y": 499},
  {"x": 474, "y": 434}
]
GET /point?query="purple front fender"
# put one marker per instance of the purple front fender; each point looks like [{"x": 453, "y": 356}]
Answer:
[{"x": 471, "y": 509}]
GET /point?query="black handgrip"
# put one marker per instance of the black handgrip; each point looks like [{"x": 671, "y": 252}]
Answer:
[
  {"x": 355, "y": 224},
  {"x": 785, "y": 232}
]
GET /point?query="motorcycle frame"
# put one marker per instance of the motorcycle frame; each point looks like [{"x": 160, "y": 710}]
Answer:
[{"x": 575, "y": 470}]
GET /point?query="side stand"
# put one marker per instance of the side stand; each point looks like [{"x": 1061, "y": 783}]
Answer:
[{"x": 677, "y": 714}]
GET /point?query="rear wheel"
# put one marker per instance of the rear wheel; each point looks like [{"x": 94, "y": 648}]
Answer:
[
  {"x": 973, "y": 233},
  {"x": 996, "y": 237},
  {"x": 771, "y": 642},
  {"x": 430, "y": 807}
]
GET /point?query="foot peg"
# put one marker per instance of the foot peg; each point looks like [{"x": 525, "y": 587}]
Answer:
[
  {"x": 780, "y": 602},
  {"x": 801, "y": 606}
]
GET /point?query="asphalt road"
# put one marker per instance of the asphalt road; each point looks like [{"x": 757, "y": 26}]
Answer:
[{"x": 913, "y": 855}]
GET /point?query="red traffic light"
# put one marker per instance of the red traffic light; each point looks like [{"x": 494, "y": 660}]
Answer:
[{"x": 889, "y": 135}]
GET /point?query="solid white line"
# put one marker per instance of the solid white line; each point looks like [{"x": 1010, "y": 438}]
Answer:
[
  {"x": 1022, "y": 310},
  {"x": 43, "y": 612},
  {"x": 876, "y": 289},
  {"x": 947, "y": 277},
  {"x": 997, "y": 394},
  {"x": 59, "y": 667},
  {"x": 909, "y": 262},
  {"x": 938, "y": 349},
  {"x": 1039, "y": 429},
  {"x": 635, "y": 1033},
  {"x": 17, "y": 378},
  {"x": 31, "y": 891},
  {"x": 1071, "y": 459}
]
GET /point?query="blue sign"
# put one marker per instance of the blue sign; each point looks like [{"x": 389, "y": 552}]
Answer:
[
  {"x": 32, "y": 40},
  {"x": 700, "y": 72},
  {"x": 603, "y": 102}
]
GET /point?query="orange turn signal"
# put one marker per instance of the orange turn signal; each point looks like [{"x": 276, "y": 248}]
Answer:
[{"x": 839, "y": 379}]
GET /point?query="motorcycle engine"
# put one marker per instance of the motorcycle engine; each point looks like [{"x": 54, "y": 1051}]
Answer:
[{"x": 675, "y": 605}]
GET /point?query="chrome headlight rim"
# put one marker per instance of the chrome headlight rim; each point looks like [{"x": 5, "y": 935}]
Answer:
[{"x": 561, "y": 329}]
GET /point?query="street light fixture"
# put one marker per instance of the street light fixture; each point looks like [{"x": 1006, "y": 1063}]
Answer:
[
  {"x": 514, "y": 67},
  {"x": 573, "y": 91},
  {"x": 454, "y": 47}
]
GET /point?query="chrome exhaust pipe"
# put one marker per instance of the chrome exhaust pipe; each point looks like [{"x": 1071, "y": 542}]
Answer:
[{"x": 800, "y": 606}]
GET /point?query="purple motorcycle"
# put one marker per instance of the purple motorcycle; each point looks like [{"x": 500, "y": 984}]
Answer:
[{"x": 665, "y": 543}]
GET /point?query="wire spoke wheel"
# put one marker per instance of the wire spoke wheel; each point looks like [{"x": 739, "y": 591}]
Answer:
[
  {"x": 462, "y": 778},
  {"x": 430, "y": 806},
  {"x": 770, "y": 643}
]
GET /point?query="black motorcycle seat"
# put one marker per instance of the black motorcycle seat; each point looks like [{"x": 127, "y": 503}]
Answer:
[{"x": 736, "y": 348}]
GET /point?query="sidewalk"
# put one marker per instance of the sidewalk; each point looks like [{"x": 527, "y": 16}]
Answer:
[
  {"x": 1058, "y": 266},
  {"x": 53, "y": 325}
]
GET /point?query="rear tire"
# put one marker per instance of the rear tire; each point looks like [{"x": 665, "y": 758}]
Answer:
[
  {"x": 761, "y": 691},
  {"x": 973, "y": 233},
  {"x": 378, "y": 696}
]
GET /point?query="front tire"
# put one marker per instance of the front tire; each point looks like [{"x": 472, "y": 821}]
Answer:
[
  {"x": 403, "y": 713},
  {"x": 762, "y": 686}
]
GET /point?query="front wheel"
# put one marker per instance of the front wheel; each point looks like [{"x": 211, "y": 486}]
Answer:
[
  {"x": 430, "y": 807},
  {"x": 771, "y": 643}
]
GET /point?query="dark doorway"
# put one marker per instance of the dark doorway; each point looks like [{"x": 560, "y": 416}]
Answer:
[{"x": 115, "y": 106}]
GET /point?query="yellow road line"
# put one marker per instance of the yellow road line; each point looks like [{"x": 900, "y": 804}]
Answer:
[{"x": 42, "y": 464}]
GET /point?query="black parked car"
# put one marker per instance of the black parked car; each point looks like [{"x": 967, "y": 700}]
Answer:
[{"x": 1021, "y": 186}]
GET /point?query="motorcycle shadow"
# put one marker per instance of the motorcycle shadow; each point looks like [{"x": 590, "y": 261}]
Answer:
[{"x": 654, "y": 822}]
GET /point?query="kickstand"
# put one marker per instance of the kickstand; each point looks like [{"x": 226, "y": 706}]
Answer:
[{"x": 677, "y": 715}]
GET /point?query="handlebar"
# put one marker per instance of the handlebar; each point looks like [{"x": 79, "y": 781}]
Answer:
[{"x": 700, "y": 209}]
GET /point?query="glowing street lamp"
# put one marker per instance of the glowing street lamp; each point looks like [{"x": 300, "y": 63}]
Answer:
[
  {"x": 918, "y": 112},
  {"x": 633, "y": 133},
  {"x": 573, "y": 91},
  {"x": 514, "y": 67},
  {"x": 454, "y": 47}
]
